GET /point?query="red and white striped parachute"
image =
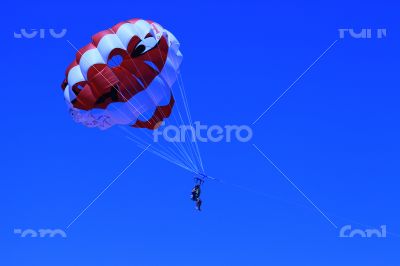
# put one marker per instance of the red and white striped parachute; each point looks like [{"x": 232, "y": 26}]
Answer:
[{"x": 124, "y": 76}]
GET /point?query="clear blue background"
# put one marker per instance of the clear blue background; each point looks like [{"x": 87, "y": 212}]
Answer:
[{"x": 335, "y": 134}]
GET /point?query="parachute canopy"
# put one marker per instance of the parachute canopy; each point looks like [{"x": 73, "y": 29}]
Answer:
[{"x": 124, "y": 76}]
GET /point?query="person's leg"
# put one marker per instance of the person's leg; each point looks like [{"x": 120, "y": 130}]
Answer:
[{"x": 198, "y": 204}]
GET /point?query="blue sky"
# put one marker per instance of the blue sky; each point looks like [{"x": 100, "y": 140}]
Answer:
[{"x": 334, "y": 134}]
